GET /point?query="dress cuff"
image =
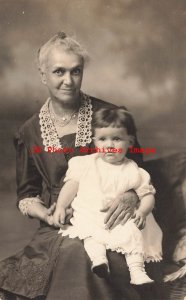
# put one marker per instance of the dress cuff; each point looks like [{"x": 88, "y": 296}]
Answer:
[{"x": 26, "y": 202}]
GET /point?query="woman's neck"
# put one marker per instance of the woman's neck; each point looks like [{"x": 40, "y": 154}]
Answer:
[{"x": 60, "y": 108}]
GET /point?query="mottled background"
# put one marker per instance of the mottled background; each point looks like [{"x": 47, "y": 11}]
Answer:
[{"x": 138, "y": 58}]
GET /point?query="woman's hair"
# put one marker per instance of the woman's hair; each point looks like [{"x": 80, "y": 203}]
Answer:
[
  {"x": 68, "y": 43},
  {"x": 114, "y": 117}
]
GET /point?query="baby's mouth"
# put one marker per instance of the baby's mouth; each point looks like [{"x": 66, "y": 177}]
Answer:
[{"x": 109, "y": 150}]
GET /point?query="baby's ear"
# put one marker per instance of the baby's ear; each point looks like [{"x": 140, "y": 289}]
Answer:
[
  {"x": 93, "y": 139},
  {"x": 131, "y": 140}
]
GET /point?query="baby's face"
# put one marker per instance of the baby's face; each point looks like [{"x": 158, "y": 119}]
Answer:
[{"x": 114, "y": 141}]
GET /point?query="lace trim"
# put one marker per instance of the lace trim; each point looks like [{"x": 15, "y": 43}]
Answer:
[
  {"x": 33, "y": 277},
  {"x": 48, "y": 131},
  {"x": 25, "y": 203},
  {"x": 30, "y": 276},
  {"x": 148, "y": 257},
  {"x": 84, "y": 132}
]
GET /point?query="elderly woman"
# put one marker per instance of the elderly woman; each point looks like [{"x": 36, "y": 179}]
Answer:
[{"x": 52, "y": 267}]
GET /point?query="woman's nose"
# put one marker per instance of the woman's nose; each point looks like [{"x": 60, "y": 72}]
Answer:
[{"x": 67, "y": 79}]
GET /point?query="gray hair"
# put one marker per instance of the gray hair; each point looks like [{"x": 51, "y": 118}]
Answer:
[{"x": 61, "y": 39}]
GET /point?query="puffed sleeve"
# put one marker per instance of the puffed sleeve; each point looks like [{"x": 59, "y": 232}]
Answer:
[
  {"x": 29, "y": 180},
  {"x": 76, "y": 167},
  {"x": 145, "y": 186}
]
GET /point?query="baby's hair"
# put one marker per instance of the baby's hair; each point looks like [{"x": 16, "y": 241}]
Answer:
[
  {"x": 114, "y": 117},
  {"x": 61, "y": 39}
]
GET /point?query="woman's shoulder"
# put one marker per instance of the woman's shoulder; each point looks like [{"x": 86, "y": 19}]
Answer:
[
  {"x": 32, "y": 122},
  {"x": 29, "y": 128},
  {"x": 98, "y": 103}
]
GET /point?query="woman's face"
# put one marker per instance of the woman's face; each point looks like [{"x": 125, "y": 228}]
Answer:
[{"x": 62, "y": 73}]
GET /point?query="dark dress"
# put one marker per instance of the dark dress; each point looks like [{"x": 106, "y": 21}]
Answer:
[{"x": 52, "y": 266}]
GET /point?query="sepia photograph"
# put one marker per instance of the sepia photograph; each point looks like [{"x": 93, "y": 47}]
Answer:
[{"x": 93, "y": 150}]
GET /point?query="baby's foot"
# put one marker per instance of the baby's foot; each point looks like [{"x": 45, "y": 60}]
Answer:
[
  {"x": 100, "y": 268},
  {"x": 140, "y": 277}
]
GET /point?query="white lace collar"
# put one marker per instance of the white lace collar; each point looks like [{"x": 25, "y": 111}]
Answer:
[{"x": 83, "y": 134}]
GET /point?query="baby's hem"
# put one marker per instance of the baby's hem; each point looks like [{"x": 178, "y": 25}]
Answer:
[{"x": 148, "y": 257}]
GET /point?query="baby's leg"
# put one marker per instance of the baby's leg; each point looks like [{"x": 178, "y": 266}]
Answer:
[
  {"x": 135, "y": 263},
  {"x": 97, "y": 254}
]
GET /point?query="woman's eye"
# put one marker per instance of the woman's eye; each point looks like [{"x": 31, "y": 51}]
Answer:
[
  {"x": 76, "y": 71},
  {"x": 117, "y": 139},
  {"x": 59, "y": 72},
  {"x": 102, "y": 139}
]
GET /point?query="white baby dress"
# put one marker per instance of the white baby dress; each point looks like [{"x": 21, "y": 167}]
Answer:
[{"x": 101, "y": 182}]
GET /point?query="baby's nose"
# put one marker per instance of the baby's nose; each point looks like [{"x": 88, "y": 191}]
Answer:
[{"x": 110, "y": 144}]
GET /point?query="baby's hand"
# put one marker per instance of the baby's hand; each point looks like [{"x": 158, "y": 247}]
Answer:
[
  {"x": 139, "y": 219},
  {"x": 59, "y": 216}
]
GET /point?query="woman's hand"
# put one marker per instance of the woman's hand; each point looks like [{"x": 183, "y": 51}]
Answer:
[
  {"x": 139, "y": 219},
  {"x": 120, "y": 210},
  {"x": 39, "y": 211}
]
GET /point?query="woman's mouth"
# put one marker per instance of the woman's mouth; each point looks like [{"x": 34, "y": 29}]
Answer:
[{"x": 68, "y": 91}]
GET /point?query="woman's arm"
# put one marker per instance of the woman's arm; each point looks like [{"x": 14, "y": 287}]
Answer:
[
  {"x": 28, "y": 178},
  {"x": 29, "y": 183},
  {"x": 66, "y": 196},
  {"x": 36, "y": 209}
]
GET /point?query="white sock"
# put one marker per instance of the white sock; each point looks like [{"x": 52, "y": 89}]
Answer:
[
  {"x": 97, "y": 254},
  {"x": 138, "y": 275}
]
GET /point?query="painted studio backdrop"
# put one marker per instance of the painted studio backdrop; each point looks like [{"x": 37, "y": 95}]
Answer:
[{"x": 138, "y": 59}]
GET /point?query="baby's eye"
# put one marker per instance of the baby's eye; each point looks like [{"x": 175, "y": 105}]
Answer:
[
  {"x": 76, "y": 71},
  {"x": 117, "y": 139},
  {"x": 102, "y": 139}
]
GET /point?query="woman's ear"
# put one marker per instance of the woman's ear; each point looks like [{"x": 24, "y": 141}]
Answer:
[
  {"x": 131, "y": 140},
  {"x": 43, "y": 76}
]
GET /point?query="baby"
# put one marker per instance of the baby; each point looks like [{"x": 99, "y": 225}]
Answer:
[{"x": 93, "y": 180}]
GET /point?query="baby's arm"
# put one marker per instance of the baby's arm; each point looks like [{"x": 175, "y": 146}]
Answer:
[
  {"x": 145, "y": 207},
  {"x": 145, "y": 191},
  {"x": 66, "y": 196}
]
